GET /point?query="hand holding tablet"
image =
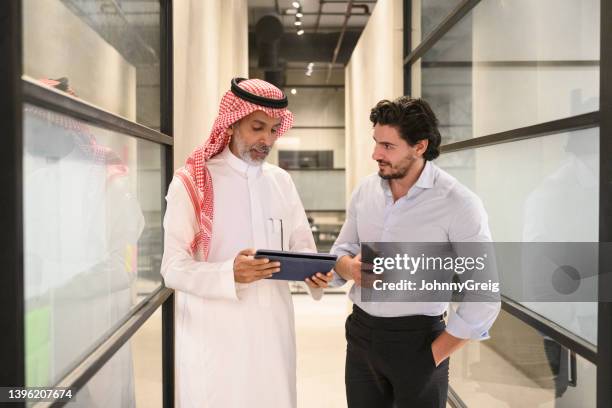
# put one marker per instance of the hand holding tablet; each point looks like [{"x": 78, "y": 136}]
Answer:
[{"x": 297, "y": 266}]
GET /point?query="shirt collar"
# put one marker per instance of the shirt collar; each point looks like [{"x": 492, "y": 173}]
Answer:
[
  {"x": 425, "y": 181},
  {"x": 242, "y": 167},
  {"x": 427, "y": 177}
]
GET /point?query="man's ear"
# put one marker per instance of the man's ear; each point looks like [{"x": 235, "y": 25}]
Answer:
[
  {"x": 230, "y": 130},
  {"x": 421, "y": 146}
]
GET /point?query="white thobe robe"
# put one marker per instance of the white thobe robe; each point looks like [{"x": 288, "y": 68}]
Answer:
[{"x": 235, "y": 343}]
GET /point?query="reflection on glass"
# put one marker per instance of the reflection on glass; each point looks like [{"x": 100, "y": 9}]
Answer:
[
  {"x": 550, "y": 193},
  {"x": 507, "y": 65},
  {"x": 92, "y": 236},
  {"x": 433, "y": 12},
  {"x": 520, "y": 367},
  {"x": 108, "y": 52},
  {"x": 132, "y": 377}
]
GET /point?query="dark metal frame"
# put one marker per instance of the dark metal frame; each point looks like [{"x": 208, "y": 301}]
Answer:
[
  {"x": 604, "y": 333},
  {"x": 407, "y": 46},
  {"x": 12, "y": 352},
  {"x": 15, "y": 92},
  {"x": 57, "y": 101},
  {"x": 505, "y": 64},
  {"x": 584, "y": 121},
  {"x": 556, "y": 332},
  {"x": 454, "y": 400},
  {"x": 453, "y": 18},
  {"x": 167, "y": 127},
  {"x": 602, "y": 354},
  {"x": 95, "y": 360}
]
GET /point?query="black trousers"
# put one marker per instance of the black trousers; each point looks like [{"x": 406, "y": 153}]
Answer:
[{"x": 389, "y": 362}]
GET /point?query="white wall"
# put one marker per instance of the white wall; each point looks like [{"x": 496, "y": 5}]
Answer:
[
  {"x": 57, "y": 43},
  {"x": 315, "y": 107},
  {"x": 374, "y": 72},
  {"x": 210, "y": 47}
]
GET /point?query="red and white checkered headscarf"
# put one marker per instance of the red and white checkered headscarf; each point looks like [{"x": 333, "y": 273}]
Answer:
[
  {"x": 195, "y": 175},
  {"x": 83, "y": 137}
]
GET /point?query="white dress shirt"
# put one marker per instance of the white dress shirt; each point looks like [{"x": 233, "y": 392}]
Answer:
[{"x": 436, "y": 209}]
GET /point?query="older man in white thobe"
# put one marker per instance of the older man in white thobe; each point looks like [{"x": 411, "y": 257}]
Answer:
[{"x": 235, "y": 335}]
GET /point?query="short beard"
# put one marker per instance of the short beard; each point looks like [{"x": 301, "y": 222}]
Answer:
[
  {"x": 398, "y": 170},
  {"x": 244, "y": 150}
]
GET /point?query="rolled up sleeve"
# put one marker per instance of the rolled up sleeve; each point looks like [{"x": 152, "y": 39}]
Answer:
[
  {"x": 472, "y": 319},
  {"x": 347, "y": 243}
]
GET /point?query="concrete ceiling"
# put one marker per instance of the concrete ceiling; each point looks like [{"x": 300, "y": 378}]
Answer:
[
  {"x": 322, "y": 22},
  {"x": 332, "y": 13}
]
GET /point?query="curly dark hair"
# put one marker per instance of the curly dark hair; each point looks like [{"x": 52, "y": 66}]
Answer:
[{"x": 414, "y": 120}]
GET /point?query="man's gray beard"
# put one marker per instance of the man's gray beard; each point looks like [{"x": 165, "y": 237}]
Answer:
[{"x": 244, "y": 150}]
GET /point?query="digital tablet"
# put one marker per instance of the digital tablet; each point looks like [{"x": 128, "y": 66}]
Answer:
[{"x": 297, "y": 266}]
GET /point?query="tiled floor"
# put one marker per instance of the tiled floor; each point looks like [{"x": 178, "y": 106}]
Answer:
[
  {"x": 320, "y": 350},
  {"x": 320, "y": 354}
]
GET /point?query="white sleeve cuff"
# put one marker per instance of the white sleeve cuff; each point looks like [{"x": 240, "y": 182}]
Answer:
[
  {"x": 337, "y": 281},
  {"x": 462, "y": 329},
  {"x": 222, "y": 286},
  {"x": 315, "y": 293}
]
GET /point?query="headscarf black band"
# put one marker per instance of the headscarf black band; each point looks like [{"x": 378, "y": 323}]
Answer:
[{"x": 256, "y": 99}]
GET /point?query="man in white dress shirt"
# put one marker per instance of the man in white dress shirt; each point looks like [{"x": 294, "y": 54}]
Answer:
[
  {"x": 397, "y": 352},
  {"x": 235, "y": 335}
]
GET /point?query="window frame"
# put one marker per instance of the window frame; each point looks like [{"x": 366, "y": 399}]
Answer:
[
  {"x": 600, "y": 355},
  {"x": 16, "y": 92}
]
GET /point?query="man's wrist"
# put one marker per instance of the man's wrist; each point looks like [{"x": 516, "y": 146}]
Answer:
[
  {"x": 342, "y": 267},
  {"x": 445, "y": 345}
]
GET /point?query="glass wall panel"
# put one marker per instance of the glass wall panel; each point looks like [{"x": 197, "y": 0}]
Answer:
[
  {"x": 520, "y": 367},
  {"x": 92, "y": 236},
  {"x": 133, "y": 376},
  {"x": 433, "y": 12},
  {"x": 507, "y": 65},
  {"x": 105, "y": 52},
  {"x": 544, "y": 189}
]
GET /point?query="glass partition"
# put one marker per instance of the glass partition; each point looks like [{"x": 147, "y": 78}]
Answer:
[
  {"x": 132, "y": 377},
  {"x": 92, "y": 236},
  {"x": 549, "y": 193},
  {"x": 507, "y": 65},
  {"x": 105, "y": 52},
  {"x": 521, "y": 367}
]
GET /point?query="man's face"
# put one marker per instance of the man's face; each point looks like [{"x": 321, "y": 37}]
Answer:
[
  {"x": 394, "y": 155},
  {"x": 253, "y": 137}
]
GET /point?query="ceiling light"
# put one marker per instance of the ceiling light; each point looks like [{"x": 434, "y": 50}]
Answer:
[
  {"x": 297, "y": 23},
  {"x": 299, "y": 15},
  {"x": 296, "y": 4},
  {"x": 300, "y": 32},
  {"x": 293, "y": 91},
  {"x": 309, "y": 68}
]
